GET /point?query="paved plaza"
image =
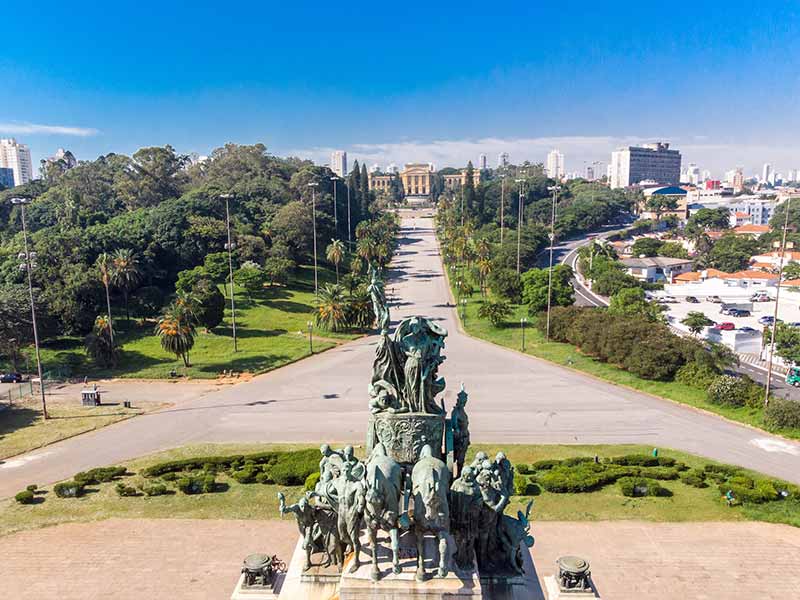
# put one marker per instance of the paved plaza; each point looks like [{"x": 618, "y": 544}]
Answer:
[
  {"x": 200, "y": 559},
  {"x": 513, "y": 399}
]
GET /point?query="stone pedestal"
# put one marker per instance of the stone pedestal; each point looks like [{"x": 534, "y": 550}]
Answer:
[
  {"x": 315, "y": 584},
  {"x": 404, "y": 435},
  {"x": 457, "y": 584},
  {"x": 554, "y": 591},
  {"x": 244, "y": 593}
]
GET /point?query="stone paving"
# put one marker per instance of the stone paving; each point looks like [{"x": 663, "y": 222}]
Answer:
[{"x": 200, "y": 559}]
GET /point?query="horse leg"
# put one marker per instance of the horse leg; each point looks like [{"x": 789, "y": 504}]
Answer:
[
  {"x": 442, "y": 554},
  {"x": 394, "y": 536},
  {"x": 373, "y": 539},
  {"x": 420, "y": 536}
]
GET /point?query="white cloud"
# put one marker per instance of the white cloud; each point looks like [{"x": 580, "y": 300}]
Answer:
[
  {"x": 578, "y": 151},
  {"x": 33, "y": 129}
]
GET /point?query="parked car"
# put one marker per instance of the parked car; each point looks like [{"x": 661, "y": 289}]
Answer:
[
  {"x": 766, "y": 320},
  {"x": 739, "y": 312},
  {"x": 11, "y": 378},
  {"x": 761, "y": 297},
  {"x": 692, "y": 299},
  {"x": 746, "y": 329},
  {"x": 726, "y": 326},
  {"x": 725, "y": 310},
  {"x": 795, "y": 324},
  {"x": 716, "y": 299}
]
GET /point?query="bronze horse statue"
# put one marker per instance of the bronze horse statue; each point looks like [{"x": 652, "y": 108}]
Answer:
[
  {"x": 430, "y": 482},
  {"x": 382, "y": 511}
]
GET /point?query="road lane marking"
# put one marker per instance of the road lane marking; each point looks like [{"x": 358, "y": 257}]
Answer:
[{"x": 770, "y": 445}]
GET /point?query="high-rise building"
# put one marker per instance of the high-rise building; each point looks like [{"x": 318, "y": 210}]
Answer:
[
  {"x": 482, "y": 161},
  {"x": 766, "y": 173},
  {"x": 651, "y": 162},
  {"x": 792, "y": 175},
  {"x": 555, "y": 164},
  {"x": 738, "y": 181},
  {"x": 6, "y": 178},
  {"x": 502, "y": 159},
  {"x": 339, "y": 162},
  {"x": 16, "y": 157},
  {"x": 691, "y": 174},
  {"x": 590, "y": 173}
]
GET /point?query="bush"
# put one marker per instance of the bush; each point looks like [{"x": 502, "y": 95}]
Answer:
[
  {"x": 578, "y": 479},
  {"x": 157, "y": 489},
  {"x": 695, "y": 478},
  {"x": 523, "y": 468},
  {"x": 25, "y": 497},
  {"x": 32, "y": 488},
  {"x": 169, "y": 476},
  {"x": 727, "y": 390},
  {"x": 201, "y": 484},
  {"x": 246, "y": 475},
  {"x": 506, "y": 284},
  {"x": 126, "y": 490},
  {"x": 218, "y": 462},
  {"x": 263, "y": 477},
  {"x": 545, "y": 465},
  {"x": 636, "y": 487},
  {"x": 782, "y": 413},
  {"x": 292, "y": 468},
  {"x": 69, "y": 489},
  {"x": 754, "y": 493},
  {"x": 311, "y": 481},
  {"x": 696, "y": 376},
  {"x": 496, "y": 312},
  {"x": 561, "y": 319},
  {"x": 100, "y": 475},
  {"x": 643, "y": 460}
]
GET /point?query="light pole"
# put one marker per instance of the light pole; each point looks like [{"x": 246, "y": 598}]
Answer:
[
  {"x": 519, "y": 219},
  {"x": 335, "y": 179},
  {"x": 464, "y": 310},
  {"x": 777, "y": 298},
  {"x": 28, "y": 266},
  {"x": 229, "y": 246},
  {"x": 555, "y": 189},
  {"x": 310, "y": 338},
  {"x": 349, "y": 227},
  {"x": 523, "y": 321},
  {"x": 313, "y": 185},
  {"x": 461, "y": 188}
]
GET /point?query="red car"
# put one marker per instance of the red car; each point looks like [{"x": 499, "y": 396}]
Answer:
[{"x": 727, "y": 326}]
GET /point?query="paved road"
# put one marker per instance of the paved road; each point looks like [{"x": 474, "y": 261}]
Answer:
[{"x": 513, "y": 399}]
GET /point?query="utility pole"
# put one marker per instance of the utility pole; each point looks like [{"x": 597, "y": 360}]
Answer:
[
  {"x": 335, "y": 179},
  {"x": 313, "y": 185},
  {"x": 777, "y": 298},
  {"x": 461, "y": 187},
  {"x": 349, "y": 227},
  {"x": 229, "y": 246},
  {"x": 28, "y": 266},
  {"x": 555, "y": 189},
  {"x": 519, "y": 219}
]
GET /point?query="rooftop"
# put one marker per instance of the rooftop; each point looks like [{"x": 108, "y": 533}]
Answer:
[{"x": 654, "y": 261}]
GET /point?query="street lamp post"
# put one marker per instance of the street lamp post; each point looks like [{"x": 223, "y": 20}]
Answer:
[
  {"x": 28, "y": 267},
  {"x": 464, "y": 310},
  {"x": 555, "y": 189},
  {"x": 310, "y": 337},
  {"x": 523, "y": 321},
  {"x": 349, "y": 227},
  {"x": 502, "y": 202},
  {"x": 229, "y": 247},
  {"x": 313, "y": 185},
  {"x": 521, "y": 182},
  {"x": 335, "y": 181},
  {"x": 777, "y": 299}
]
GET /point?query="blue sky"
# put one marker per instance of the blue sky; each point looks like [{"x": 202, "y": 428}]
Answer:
[{"x": 408, "y": 81}]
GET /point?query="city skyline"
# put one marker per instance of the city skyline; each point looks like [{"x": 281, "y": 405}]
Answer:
[{"x": 508, "y": 91}]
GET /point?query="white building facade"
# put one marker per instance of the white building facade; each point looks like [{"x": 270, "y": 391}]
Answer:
[
  {"x": 17, "y": 157},
  {"x": 339, "y": 162},
  {"x": 651, "y": 162},
  {"x": 555, "y": 164}
]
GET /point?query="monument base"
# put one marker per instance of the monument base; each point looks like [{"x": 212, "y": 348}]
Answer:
[
  {"x": 404, "y": 434},
  {"x": 359, "y": 585},
  {"x": 513, "y": 587},
  {"x": 241, "y": 592},
  {"x": 554, "y": 591},
  {"x": 317, "y": 583}
]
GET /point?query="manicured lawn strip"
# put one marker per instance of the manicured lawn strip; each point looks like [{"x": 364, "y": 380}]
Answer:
[
  {"x": 271, "y": 329},
  {"x": 567, "y": 355},
  {"x": 259, "y": 501}
]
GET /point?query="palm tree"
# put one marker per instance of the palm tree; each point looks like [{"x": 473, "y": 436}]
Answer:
[
  {"x": 335, "y": 254},
  {"x": 125, "y": 273},
  {"x": 100, "y": 343},
  {"x": 176, "y": 330},
  {"x": 483, "y": 248},
  {"x": 331, "y": 313},
  {"x": 367, "y": 249},
  {"x": 484, "y": 270},
  {"x": 359, "y": 309},
  {"x": 104, "y": 265}
]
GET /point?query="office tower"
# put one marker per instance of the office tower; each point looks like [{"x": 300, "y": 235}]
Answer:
[
  {"x": 482, "y": 161},
  {"x": 590, "y": 173},
  {"x": 502, "y": 159},
  {"x": 555, "y": 164},
  {"x": 651, "y": 162},
  {"x": 339, "y": 162},
  {"x": 738, "y": 181},
  {"x": 766, "y": 173},
  {"x": 16, "y": 157}
]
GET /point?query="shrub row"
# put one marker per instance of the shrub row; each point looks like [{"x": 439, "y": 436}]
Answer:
[
  {"x": 100, "y": 475},
  {"x": 207, "y": 463},
  {"x": 781, "y": 413},
  {"x": 636, "y": 487},
  {"x": 202, "y": 484}
]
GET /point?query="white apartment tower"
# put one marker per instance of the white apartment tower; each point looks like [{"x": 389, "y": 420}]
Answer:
[
  {"x": 766, "y": 173},
  {"x": 16, "y": 157},
  {"x": 555, "y": 164},
  {"x": 339, "y": 162},
  {"x": 650, "y": 162},
  {"x": 502, "y": 160},
  {"x": 482, "y": 162}
]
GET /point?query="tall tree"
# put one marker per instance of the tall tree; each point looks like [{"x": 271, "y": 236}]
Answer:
[
  {"x": 365, "y": 195},
  {"x": 176, "y": 330},
  {"x": 335, "y": 254},
  {"x": 104, "y": 265},
  {"x": 125, "y": 274}
]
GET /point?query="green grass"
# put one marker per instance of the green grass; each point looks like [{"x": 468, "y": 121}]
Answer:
[
  {"x": 271, "y": 330},
  {"x": 510, "y": 336},
  {"x": 258, "y": 501}
]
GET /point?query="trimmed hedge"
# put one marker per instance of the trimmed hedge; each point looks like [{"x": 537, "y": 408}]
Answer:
[
  {"x": 695, "y": 478},
  {"x": 25, "y": 497},
  {"x": 202, "y": 484},
  {"x": 100, "y": 475},
  {"x": 69, "y": 489},
  {"x": 293, "y": 468},
  {"x": 634, "y": 487},
  {"x": 754, "y": 492},
  {"x": 32, "y": 488},
  {"x": 206, "y": 463},
  {"x": 157, "y": 489},
  {"x": 782, "y": 413},
  {"x": 643, "y": 460},
  {"x": 523, "y": 468},
  {"x": 311, "y": 481},
  {"x": 126, "y": 490},
  {"x": 545, "y": 465}
]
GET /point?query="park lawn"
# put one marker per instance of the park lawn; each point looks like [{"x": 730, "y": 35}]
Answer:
[
  {"x": 271, "y": 328},
  {"x": 22, "y": 428},
  {"x": 510, "y": 336},
  {"x": 259, "y": 501}
]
